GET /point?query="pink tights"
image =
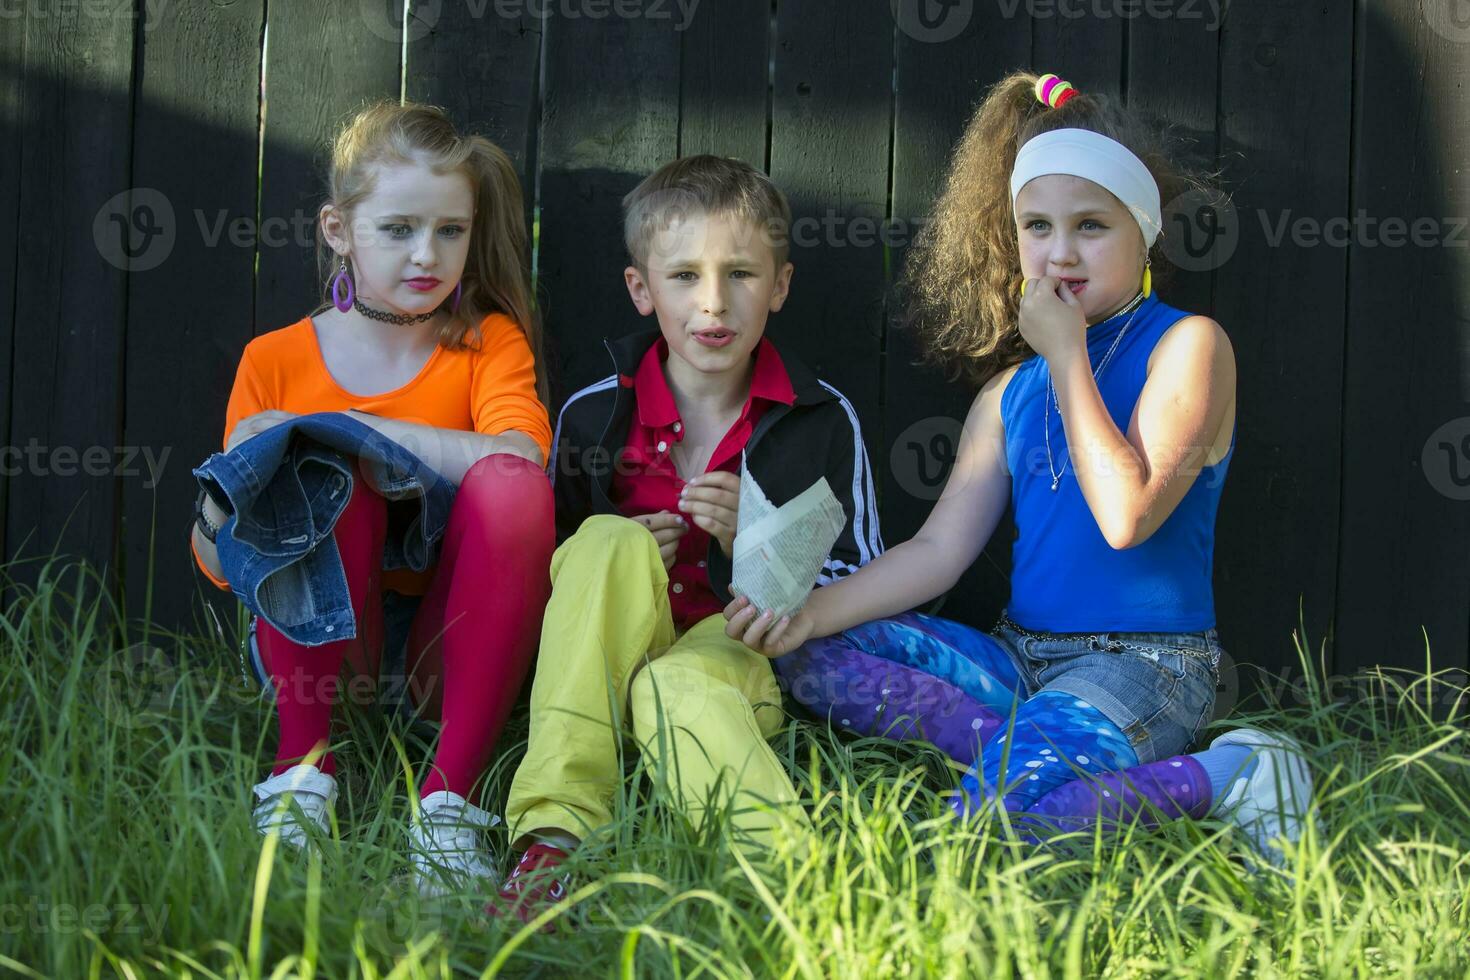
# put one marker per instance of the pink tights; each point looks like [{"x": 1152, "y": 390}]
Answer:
[{"x": 472, "y": 639}]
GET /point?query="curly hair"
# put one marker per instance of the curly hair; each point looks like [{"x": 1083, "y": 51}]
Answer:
[{"x": 962, "y": 282}]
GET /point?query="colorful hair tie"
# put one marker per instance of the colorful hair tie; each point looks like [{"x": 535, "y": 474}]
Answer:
[{"x": 1052, "y": 91}]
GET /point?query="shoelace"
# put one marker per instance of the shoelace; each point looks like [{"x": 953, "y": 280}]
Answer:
[
  {"x": 461, "y": 838},
  {"x": 295, "y": 828},
  {"x": 538, "y": 858},
  {"x": 312, "y": 804},
  {"x": 523, "y": 894},
  {"x": 447, "y": 835}
]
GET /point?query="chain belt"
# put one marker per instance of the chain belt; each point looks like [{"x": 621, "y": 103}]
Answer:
[
  {"x": 1011, "y": 624},
  {"x": 1092, "y": 638}
]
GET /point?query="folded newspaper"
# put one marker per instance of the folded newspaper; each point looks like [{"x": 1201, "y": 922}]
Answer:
[{"x": 779, "y": 551}]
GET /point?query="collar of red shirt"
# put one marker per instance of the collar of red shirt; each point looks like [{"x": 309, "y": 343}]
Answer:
[{"x": 656, "y": 407}]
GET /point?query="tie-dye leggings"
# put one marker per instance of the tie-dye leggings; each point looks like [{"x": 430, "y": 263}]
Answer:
[{"x": 1067, "y": 728}]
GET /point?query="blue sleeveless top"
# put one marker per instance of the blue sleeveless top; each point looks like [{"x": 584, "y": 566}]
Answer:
[{"x": 1065, "y": 577}]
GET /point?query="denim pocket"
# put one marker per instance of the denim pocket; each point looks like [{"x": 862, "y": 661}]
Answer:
[
  {"x": 1190, "y": 704},
  {"x": 1169, "y": 661},
  {"x": 1171, "y": 651},
  {"x": 1185, "y": 667}
]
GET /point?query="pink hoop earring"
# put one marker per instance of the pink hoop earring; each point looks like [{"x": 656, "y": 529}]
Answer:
[
  {"x": 343, "y": 304},
  {"x": 458, "y": 291}
]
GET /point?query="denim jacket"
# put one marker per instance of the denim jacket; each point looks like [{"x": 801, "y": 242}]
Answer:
[{"x": 284, "y": 490}]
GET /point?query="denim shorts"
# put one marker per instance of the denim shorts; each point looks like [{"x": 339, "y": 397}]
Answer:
[{"x": 1159, "y": 688}]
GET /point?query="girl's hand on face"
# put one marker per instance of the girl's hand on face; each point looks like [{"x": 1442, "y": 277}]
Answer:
[
  {"x": 1051, "y": 319},
  {"x": 763, "y": 633},
  {"x": 254, "y": 425},
  {"x": 667, "y": 529},
  {"x": 713, "y": 501}
]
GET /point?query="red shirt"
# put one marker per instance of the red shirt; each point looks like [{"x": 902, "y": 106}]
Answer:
[{"x": 646, "y": 480}]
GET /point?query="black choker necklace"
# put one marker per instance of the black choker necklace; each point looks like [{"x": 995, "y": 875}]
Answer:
[{"x": 398, "y": 318}]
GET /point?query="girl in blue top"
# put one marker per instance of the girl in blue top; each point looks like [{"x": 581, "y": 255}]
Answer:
[{"x": 1106, "y": 419}]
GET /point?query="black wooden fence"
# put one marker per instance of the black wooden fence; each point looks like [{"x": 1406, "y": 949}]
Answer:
[{"x": 161, "y": 164}]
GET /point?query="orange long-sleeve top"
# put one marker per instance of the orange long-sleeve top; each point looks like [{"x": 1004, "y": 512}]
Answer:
[{"x": 490, "y": 391}]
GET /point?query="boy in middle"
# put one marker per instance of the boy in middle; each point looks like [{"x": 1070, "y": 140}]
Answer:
[{"x": 645, "y": 468}]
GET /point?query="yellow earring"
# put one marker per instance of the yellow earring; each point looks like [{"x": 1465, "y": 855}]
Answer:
[
  {"x": 1148, "y": 279},
  {"x": 1023, "y": 287}
]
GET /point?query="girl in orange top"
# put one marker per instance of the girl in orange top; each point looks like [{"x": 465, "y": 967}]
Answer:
[{"x": 430, "y": 339}]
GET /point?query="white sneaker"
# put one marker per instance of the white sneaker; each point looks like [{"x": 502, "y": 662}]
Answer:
[
  {"x": 1272, "y": 803},
  {"x": 294, "y": 801},
  {"x": 445, "y": 847}
]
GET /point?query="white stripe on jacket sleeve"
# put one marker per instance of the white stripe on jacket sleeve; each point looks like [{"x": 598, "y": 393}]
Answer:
[
  {"x": 865, "y": 507},
  {"x": 608, "y": 382}
]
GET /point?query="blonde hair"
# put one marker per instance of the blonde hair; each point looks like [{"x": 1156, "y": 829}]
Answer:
[
  {"x": 962, "y": 283},
  {"x": 705, "y": 184},
  {"x": 497, "y": 273}
]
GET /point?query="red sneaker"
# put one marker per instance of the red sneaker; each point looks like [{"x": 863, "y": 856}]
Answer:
[{"x": 532, "y": 885}]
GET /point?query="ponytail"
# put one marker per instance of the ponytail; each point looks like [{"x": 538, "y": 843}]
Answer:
[{"x": 962, "y": 283}]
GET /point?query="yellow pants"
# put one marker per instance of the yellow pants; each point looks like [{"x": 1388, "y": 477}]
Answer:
[{"x": 702, "y": 705}]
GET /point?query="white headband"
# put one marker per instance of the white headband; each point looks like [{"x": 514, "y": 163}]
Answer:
[{"x": 1095, "y": 157}]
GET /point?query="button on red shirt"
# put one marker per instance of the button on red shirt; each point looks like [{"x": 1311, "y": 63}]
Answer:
[{"x": 646, "y": 481}]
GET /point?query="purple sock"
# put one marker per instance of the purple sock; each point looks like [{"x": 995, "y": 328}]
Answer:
[{"x": 1150, "y": 794}]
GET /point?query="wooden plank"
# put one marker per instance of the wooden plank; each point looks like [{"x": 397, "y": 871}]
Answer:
[
  {"x": 12, "y": 134},
  {"x": 725, "y": 54},
  {"x": 609, "y": 118},
  {"x": 1287, "y": 159},
  {"x": 1081, "y": 42},
  {"x": 190, "y": 317},
  {"x": 323, "y": 63},
  {"x": 1171, "y": 75},
  {"x": 1405, "y": 514},
  {"x": 68, "y": 343},
  {"x": 941, "y": 79},
  {"x": 482, "y": 68},
  {"x": 831, "y": 125}
]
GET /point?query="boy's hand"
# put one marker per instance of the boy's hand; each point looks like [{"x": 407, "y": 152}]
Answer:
[
  {"x": 763, "y": 633},
  {"x": 667, "y": 529},
  {"x": 713, "y": 500},
  {"x": 255, "y": 424}
]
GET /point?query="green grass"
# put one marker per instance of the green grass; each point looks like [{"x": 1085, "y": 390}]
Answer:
[{"x": 128, "y": 851}]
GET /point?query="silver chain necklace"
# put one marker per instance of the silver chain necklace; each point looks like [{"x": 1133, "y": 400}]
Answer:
[{"x": 1056, "y": 476}]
